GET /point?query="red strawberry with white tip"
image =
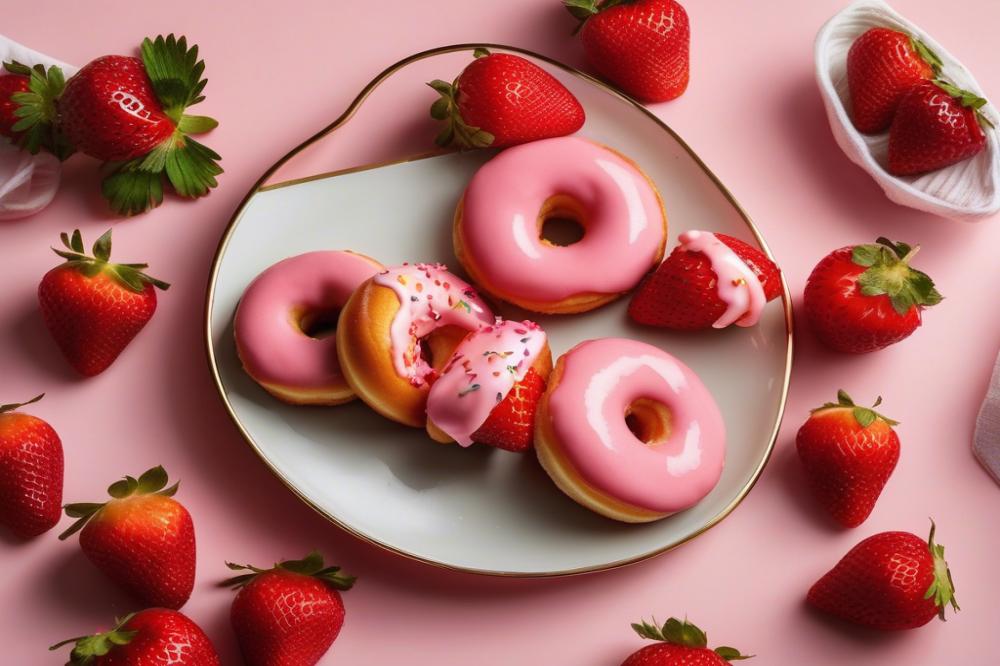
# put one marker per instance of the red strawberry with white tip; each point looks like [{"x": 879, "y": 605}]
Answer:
[
  {"x": 501, "y": 100},
  {"x": 683, "y": 292},
  {"x": 142, "y": 539},
  {"x": 889, "y": 581},
  {"x": 31, "y": 472},
  {"x": 27, "y": 108},
  {"x": 153, "y": 637},
  {"x": 511, "y": 424},
  {"x": 289, "y": 614},
  {"x": 680, "y": 643},
  {"x": 882, "y": 66},
  {"x": 936, "y": 125},
  {"x": 94, "y": 308},
  {"x": 863, "y": 298},
  {"x": 643, "y": 47},
  {"x": 848, "y": 453}
]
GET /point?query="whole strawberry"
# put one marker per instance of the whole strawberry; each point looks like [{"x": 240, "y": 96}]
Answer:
[
  {"x": 94, "y": 308},
  {"x": 290, "y": 614},
  {"x": 27, "y": 108},
  {"x": 153, "y": 637},
  {"x": 936, "y": 125},
  {"x": 684, "y": 291},
  {"x": 848, "y": 453},
  {"x": 680, "y": 644},
  {"x": 31, "y": 472},
  {"x": 863, "y": 298},
  {"x": 500, "y": 100},
  {"x": 889, "y": 581},
  {"x": 142, "y": 539},
  {"x": 643, "y": 47},
  {"x": 511, "y": 424},
  {"x": 882, "y": 66}
]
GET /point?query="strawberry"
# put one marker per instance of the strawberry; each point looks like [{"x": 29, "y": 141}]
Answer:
[
  {"x": 882, "y": 65},
  {"x": 680, "y": 643},
  {"x": 142, "y": 539},
  {"x": 500, "y": 100},
  {"x": 511, "y": 424},
  {"x": 936, "y": 125},
  {"x": 11, "y": 85},
  {"x": 643, "y": 47},
  {"x": 863, "y": 298},
  {"x": 94, "y": 308},
  {"x": 848, "y": 453},
  {"x": 27, "y": 108},
  {"x": 31, "y": 472},
  {"x": 682, "y": 293},
  {"x": 153, "y": 637},
  {"x": 889, "y": 581},
  {"x": 289, "y": 614}
]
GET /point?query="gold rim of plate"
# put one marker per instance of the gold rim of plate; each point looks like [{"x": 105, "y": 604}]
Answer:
[{"x": 260, "y": 186}]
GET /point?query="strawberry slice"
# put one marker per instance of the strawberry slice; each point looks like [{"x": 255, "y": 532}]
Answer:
[{"x": 511, "y": 424}]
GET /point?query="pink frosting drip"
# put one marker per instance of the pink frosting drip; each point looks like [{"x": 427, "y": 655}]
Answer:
[
  {"x": 429, "y": 298},
  {"x": 502, "y": 204},
  {"x": 480, "y": 374},
  {"x": 739, "y": 287},
  {"x": 272, "y": 347},
  {"x": 600, "y": 380}
]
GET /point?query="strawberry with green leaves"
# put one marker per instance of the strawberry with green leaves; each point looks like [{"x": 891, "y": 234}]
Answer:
[
  {"x": 501, "y": 100},
  {"x": 92, "y": 307},
  {"x": 289, "y": 614},
  {"x": 27, "y": 108},
  {"x": 142, "y": 538},
  {"x": 848, "y": 453},
  {"x": 31, "y": 472},
  {"x": 863, "y": 298},
  {"x": 679, "y": 643},
  {"x": 511, "y": 424},
  {"x": 889, "y": 581}
]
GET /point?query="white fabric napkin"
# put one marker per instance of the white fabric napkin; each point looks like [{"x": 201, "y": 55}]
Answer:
[
  {"x": 27, "y": 182},
  {"x": 986, "y": 441}
]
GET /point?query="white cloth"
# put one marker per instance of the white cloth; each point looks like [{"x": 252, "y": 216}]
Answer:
[
  {"x": 969, "y": 190},
  {"x": 986, "y": 441},
  {"x": 27, "y": 182}
]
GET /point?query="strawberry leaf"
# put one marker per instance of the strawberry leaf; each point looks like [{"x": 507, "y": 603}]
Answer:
[
  {"x": 456, "y": 132},
  {"x": 129, "y": 275},
  {"x": 10, "y": 407},
  {"x": 888, "y": 273},
  {"x": 153, "y": 480},
  {"x": 130, "y": 190},
  {"x": 310, "y": 565},
  {"x": 731, "y": 653},
  {"x": 37, "y": 109},
  {"x": 942, "y": 588},
  {"x": 175, "y": 72}
]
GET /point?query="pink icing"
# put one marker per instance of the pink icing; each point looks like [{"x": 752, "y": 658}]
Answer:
[
  {"x": 480, "y": 374},
  {"x": 739, "y": 287},
  {"x": 500, "y": 213},
  {"x": 429, "y": 298},
  {"x": 271, "y": 345},
  {"x": 600, "y": 380}
]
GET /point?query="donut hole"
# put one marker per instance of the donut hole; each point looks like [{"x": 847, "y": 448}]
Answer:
[
  {"x": 318, "y": 323},
  {"x": 649, "y": 420},
  {"x": 561, "y": 222}
]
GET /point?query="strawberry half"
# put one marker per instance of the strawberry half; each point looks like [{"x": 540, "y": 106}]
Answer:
[
  {"x": 643, "y": 46},
  {"x": 511, "y": 424},
  {"x": 500, "y": 100},
  {"x": 882, "y": 66},
  {"x": 848, "y": 453},
  {"x": 682, "y": 293},
  {"x": 31, "y": 472},
  {"x": 142, "y": 539},
  {"x": 94, "y": 308},
  {"x": 679, "y": 642},
  {"x": 889, "y": 581},
  {"x": 27, "y": 108}
]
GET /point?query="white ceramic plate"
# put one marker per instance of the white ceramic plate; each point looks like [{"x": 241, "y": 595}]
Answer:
[{"x": 478, "y": 509}]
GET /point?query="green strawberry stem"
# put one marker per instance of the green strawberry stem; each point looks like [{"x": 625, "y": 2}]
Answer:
[
  {"x": 927, "y": 54},
  {"x": 865, "y": 416},
  {"x": 17, "y": 405},
  {"x": 311, "y": 565},
  {"x": 456, "y": 132},
  {"x": 682, "y": 632},
  {"x": 582, "y": 10},
  {"x": 36, "y": 109},
  {"x": 131, "y": 276},
  {"x": 889, "y": 273},
  {"x": 967, "y": 99},
  {"x": 942, "y": 589},
  {"x": 87, "y": 648},
  {"x": 151, "y": 482}
]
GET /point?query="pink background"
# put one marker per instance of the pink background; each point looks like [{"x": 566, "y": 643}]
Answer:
[{"x": 279, "y": 72}]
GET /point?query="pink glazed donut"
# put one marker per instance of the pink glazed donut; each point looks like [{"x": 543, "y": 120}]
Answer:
[
  {"x": 628, "y": 431},
  {"x": 284, "y": 325},
  {"x": 498, "y": 232}
]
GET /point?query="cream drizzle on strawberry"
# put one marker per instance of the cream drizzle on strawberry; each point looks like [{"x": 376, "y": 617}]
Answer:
[
  {"x": 429, "y": 298},
  {"x": 738, "y": 286},
  {"x": 482, "y": 371}
]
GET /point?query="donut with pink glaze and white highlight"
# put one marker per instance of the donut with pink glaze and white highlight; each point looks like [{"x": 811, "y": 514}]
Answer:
[
  {"x": 284, "y": 322},
  {"x": 499, "y": 228},
  {"x": 629, "y": 431},
  {"x": 398, "y": 330}
]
